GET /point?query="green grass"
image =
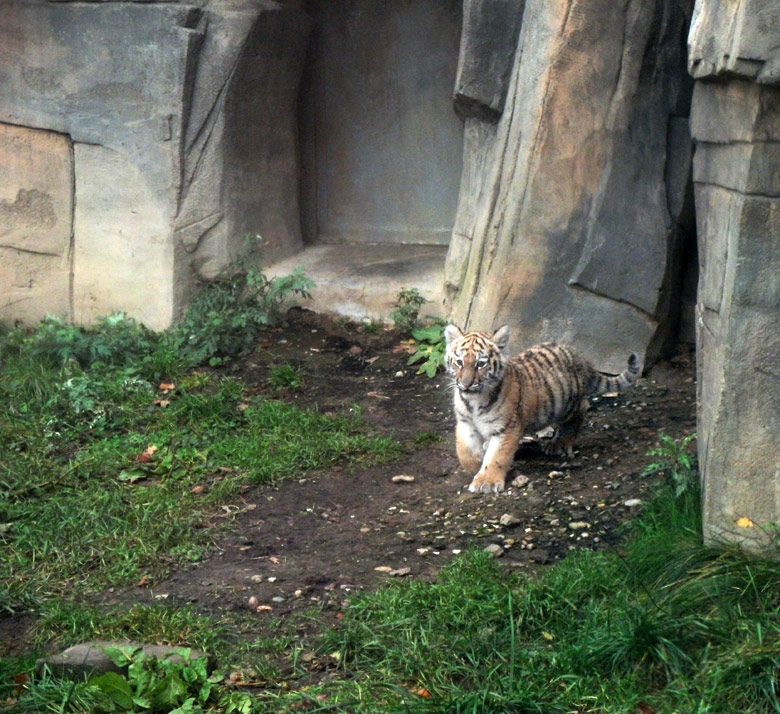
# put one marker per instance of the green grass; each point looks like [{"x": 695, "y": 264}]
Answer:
[
  {"x": 98, "y": 464},
  {"x": 665, "y": 621},
  {"x": 97, "y": 470}
]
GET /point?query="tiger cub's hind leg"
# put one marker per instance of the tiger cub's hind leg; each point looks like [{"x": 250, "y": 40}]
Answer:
[{"x": 562, "y": 441}]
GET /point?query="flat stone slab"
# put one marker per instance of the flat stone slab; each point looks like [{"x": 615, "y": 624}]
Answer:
[{"x": 89, "y": 658}]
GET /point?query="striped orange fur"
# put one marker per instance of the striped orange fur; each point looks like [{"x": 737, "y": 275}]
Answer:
[{"x": 497, "y": 399}]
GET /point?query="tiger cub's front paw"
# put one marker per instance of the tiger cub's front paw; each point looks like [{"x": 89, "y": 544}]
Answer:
[{"x": 487, "y": 482}]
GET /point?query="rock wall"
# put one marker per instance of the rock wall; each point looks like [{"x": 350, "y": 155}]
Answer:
[
  {"x": 143, "y": 111},
  {"x": 36, "y": 216},
  {"x": 380, "y": 141},
  {"x": 572, "y": 208},
  {"x": 736, "y": 124}
]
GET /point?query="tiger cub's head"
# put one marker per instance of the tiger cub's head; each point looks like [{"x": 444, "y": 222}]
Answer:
[{"x": 475, "y": 359}]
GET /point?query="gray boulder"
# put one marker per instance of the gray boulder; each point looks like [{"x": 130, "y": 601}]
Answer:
[
  {"x": 89, "y": 658},
  {"x": 570, "y": 217}
]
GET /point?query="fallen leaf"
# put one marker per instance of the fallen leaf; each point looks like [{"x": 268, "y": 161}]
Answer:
[
  {"x": 264, "y": 608},
  {"x": 147, "y": 454},
  {"x": 547, "y": 636},
  {"x": 643, "y": 708},
  {"x": 197, "y": 489},
  {"x": 424, "y": 693},
  {"x": 162, "y": 403},
  {"x": 372, "y": 360},
  {"x": 383, "y": 568},
  {"x": 274, "y": 559},
  {"x": 377, "y": 395},
  {"x": 166, "y": 387},
  {"x": 408, "y": 346},
  {"x": 20, "y": 680},
  {"x": 143, "y": 582},
  {"x": 745, "y": 522},
  {"x": 243, "y": 407}
]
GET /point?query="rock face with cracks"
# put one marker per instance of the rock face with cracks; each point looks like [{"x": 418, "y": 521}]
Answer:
[
  {"x": 736, "y": 124},
  {"x": 141, "y": 115},
  {"x": 572, "y": 206}
]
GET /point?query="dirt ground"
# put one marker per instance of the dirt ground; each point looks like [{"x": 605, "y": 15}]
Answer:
[{"x": 317, "y": 539}]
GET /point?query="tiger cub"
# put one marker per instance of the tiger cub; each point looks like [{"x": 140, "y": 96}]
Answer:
[{"x": 497, "y": 399}]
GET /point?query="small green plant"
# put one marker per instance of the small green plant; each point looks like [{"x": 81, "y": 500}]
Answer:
[
  {"x": 430, "y": 349},
  {"x": 426, "y": 438},
  {"x": 226, "y": 318},
  {"x": 674, "y": 460},
  {"x": 372, "y": 327},
  {"x": 407, "y": 309},
  {"x": 116, "y": 340},
  {"x": 285, "y": 376},
  {"x": 176, "y": 684}
]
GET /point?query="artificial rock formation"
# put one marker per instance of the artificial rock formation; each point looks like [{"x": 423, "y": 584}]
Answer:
[
  {"x": 572, "y": 206},
  {"x": 735, "y": 121},
  {"x": 140, "y": 115}
]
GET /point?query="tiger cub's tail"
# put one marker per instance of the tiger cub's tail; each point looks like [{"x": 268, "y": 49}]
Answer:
[{"x": 607, "y": 383}]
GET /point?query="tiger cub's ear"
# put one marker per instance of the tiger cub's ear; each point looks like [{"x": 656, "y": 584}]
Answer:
[
  {"x": 501, "y": 337},
  {"x": 452, "y": 333}
]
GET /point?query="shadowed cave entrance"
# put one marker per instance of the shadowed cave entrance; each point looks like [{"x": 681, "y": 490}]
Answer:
[{"x": 381, "y": 151}]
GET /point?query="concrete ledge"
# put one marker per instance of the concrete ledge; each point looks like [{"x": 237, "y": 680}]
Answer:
[{"x": 362, "y": 280}]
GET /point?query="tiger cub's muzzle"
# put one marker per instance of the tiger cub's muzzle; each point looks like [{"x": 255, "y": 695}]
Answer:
[{"x": 468, "y": 381}]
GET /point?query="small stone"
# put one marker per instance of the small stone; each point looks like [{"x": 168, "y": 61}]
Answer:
[
  {"x": 520, "y": 481},
  {"x": 89, "y": 658},
  {"x": 402, "y": 478},
  {"x": 400, "y": 572},
  {"x": 578, "y": 525},
  {"x": 383, "y": 569},
  {"x": 253, "y": 602},
  {"x": 508, "y": 520},
  {"x": 495, "y": 550},
  {"x": 555, "y": 474},
  {"x": 272, "y": 579},
  {"x": 257, "y": 578},
  {"x": 632, "y": 502},
  {"x": 399, "y": 373},
  {"x": 278, "y": 598}
]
